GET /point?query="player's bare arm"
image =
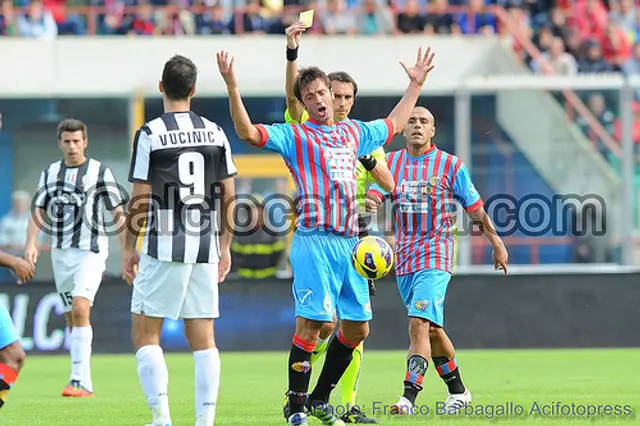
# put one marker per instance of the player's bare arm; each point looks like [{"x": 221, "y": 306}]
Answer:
[
  {"x": 417, "y": 76},
  {"x": 138, "y": 207},
  {"x": 241, "y": 120},
  {"x": 293, "y": 33},
  {"x": 382, "y": 176},
  {"x": 482, "y": 220},
  {"x": 33, "y": 229},
  {"x": 227, "y": 224},
  {"x": 120, "y": 218}
]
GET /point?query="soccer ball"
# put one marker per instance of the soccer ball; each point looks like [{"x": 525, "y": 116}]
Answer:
[{"x": 372, "y": 257}]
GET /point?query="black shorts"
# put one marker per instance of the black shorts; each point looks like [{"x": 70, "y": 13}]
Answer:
[{"x": 364, "y": 221}]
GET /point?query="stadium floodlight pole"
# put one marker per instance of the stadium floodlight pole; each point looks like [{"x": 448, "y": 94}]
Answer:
[
  {"x": 462, "y": 146},
  {"x": 627, "y": 94}
]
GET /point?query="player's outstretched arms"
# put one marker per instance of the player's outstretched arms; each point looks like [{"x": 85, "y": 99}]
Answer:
[
  {"x": 417, "y": 76},
  {"x": 482, "y": 220},
  {"x": 294, "y": 106},
  {"x": 379, "y": 172},
  {"x": 241, "y": 121},
  {"x": 23, "y": 269}
]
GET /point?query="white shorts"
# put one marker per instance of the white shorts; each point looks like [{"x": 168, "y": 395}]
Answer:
[
  {"x": 175, "y": 290},
  {"x": 77, "y": 273}
]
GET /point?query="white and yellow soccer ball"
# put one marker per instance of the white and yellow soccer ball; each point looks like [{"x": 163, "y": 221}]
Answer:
[{"x": 372, "y": 257}]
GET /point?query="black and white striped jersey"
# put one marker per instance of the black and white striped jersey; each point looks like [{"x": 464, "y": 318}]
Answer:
[
  {"x": 182, "y": 156},
  {"x": 74, "y": 200}
]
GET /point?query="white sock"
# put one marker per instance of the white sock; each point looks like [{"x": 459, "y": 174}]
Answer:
[
  {"x": 207, "y": 365},
  {"x": 154, "y": 378},
  {"x": 80, "y": 350}
]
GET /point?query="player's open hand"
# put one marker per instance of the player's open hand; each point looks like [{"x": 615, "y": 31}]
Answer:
[
  {"x": 130, "y": 260},
  {"x": 500, "y": 258},
  {"x": 23, "y": 270},
  {"x": 225, "y": 65},
  {"x": 423, "y": 66},
  {"x": 293, "y": 32},
  {"x": 224, "y": 265}
]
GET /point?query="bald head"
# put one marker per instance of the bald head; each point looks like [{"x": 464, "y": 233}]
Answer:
[{"x": 420, "y": 128}]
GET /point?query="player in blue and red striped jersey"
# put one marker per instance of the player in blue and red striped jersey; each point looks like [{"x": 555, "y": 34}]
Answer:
[
  {"x": 321, "y": 156},
  {"x": 428, "y": 181}
]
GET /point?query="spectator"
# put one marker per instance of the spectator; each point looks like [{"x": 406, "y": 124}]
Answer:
[
  {"x": 410, "y": 21},
  {"x": 544, "y": 37},
  {"x": 438, "y": 21},
  {"x": 606, "y": 117},
  {"x": 593, "y": 62},
  {"x": 477, "y": 20},
  {"x": 37, "y": 22},
  {"x": 556, "y": 60},
  {"x": 212, "y": 22},
  {"x": 337, "y": 19},
  {"x": 252, "y": 20},
  {"x": 13, "y": 226},
  {"x": 632, "y": 66},
  {"x": 114, "y": 22},
  {"x": 175, "y": 20},
  {"x": 7, "y": 19},
  {"x": 625, "y": 17},
  {"x": 67, "y": 24},
  {"x": 616, "y": 48},
  {"x": 573, "y": 43},
  {"x": 558, "y": 23},
  {"x": 375, "y": 18},
  {"x": 143, "y": 22},
  {"x": 590, "y": 19}
]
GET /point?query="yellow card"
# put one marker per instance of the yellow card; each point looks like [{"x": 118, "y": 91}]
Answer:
[{"x": 307, "y": 18}]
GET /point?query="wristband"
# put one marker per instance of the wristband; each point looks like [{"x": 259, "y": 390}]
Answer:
[
  {"x": 368, "y": 161},
  {"x": 292, "y": 54}
]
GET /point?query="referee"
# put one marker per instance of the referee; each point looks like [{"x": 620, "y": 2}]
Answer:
[{"x": 69, "y": 205}]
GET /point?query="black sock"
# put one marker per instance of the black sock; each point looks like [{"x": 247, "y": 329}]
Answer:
[
  {"x": 299, "y": 373},
  {"x": 448, "y": 370},
  {"x": 416, "y": 369},
  {"x": 339, "y": 355}
]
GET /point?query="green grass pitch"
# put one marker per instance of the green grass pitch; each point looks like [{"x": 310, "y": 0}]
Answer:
[{"x": 253, "y": 385}]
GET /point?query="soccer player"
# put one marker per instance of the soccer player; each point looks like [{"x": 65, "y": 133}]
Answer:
[
  {"x": 182, "y": 173},
  {"x": 370, "y": 168},
  {"x": 12, "y": 355},
  {"x": 428, "y": 180},
  {"x": 70, "y": 203},
  {"x": 321, "y": 156}
]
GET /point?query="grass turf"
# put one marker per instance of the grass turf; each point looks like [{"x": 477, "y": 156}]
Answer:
[{"x": 253, "y": 385}]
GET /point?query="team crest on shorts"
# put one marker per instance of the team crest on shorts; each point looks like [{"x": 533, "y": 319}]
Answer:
[{"x": 422, "y": 305}]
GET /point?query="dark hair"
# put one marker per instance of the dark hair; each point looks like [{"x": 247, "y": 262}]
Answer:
[
  {"x": 344, "y": 77},
  {"x": 306, "y": 76},
  {"x": 72, "y": 125},
  {"x": 179, "y": 78}
]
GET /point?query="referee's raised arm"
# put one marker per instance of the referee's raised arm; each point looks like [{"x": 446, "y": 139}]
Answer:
[
  {"x": 241, "y": 120},
  {"x": 294, "y": 106}
]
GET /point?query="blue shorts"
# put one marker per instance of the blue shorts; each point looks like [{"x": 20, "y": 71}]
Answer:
[
  {"x": 324, "y": 280},
  {"x": 423, "y": 294},
  {"x": 8, "y": 334}
]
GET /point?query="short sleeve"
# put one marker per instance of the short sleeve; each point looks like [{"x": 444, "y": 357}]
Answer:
[
  {"x": 277, "y": 137},
  {"x": 41, "y": 197},
  {"x": 113, "y": 194},
  {"x": 465, "y": 192},
  {"x": 139, "y": 171},
  {"x": 226, "y": 167},
  {"x": 373, "y": 134}
]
